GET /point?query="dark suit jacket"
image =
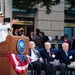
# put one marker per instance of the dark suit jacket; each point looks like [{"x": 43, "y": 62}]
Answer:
[
  {"x": 66, "y": 59},
  {"x": 73, "y": 44},
  {"x": 30, "y": 38},
  {"x": 46, "y": 55}
]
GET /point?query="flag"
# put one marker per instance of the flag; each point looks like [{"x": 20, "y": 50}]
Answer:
[{"x": 20, "y": 62}]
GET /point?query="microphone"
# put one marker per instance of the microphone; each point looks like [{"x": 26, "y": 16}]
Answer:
[{"x": 9, "y": 31}]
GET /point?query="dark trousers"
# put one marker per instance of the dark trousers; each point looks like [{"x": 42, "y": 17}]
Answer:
[
  {"x": 46, "y": 68},
  {"x": 60, "y": 67},
  {"x": 38, "y": 66},
  {"x": 52, "y": 69}
]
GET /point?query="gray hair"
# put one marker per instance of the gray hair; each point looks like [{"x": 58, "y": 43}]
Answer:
[
  {"x": 47, "y": 43},
  {"x": 65, "y": 44}
]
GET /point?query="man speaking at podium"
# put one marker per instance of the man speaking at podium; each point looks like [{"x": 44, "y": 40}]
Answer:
[{"x": 5, "y": 27}]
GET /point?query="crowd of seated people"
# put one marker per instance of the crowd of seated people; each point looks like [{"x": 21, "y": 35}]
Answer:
[
  {"x": 47, "y": 60},
  {"x": 36, "y": 61},
  {"x": 39, "y": 37},
  {"x": 19, "y": 32},
  {"x": 52, "y": 61}
]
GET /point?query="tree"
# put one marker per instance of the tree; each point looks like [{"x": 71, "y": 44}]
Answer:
[
  {"x": 72, "y": 3},
  {"x": 29, "y": 4}
]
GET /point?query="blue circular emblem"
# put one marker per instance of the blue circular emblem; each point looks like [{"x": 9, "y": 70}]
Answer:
[{"x": 21, "y": 46}]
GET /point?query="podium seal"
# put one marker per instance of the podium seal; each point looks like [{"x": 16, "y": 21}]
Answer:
[{"x": 21, "y": 46}]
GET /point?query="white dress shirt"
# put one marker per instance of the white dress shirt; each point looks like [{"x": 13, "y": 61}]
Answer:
[
  {"x": 33, "y": 56},
  {"x": 2, "y": 33},
  {"x": 48, "y": 51}
]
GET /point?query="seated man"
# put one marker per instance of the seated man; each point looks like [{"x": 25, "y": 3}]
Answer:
[
  {"x": 36, "y": 61},
  {"x": 51, "y": 59},
  {"x": 65, "y": 55}
]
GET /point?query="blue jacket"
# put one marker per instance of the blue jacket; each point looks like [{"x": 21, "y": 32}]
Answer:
[
  {"x": 49, "y": 57},
  {"x": 66, "y": 59}
]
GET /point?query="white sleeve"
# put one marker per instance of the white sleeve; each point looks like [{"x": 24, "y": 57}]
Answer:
[{"x": 4, "y": 27}]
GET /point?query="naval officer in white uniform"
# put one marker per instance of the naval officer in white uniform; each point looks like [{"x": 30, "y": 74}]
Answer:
[{"x": 5, "y": 27}]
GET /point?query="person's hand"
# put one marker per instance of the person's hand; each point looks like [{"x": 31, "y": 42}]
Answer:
[
  {"x": 51, "y": 62},
  {"x": 41, "y": 60},
  {"x": 14, "y": 21},
  {"x": 72, "y": 62},
  {"x": 30, "y": 58},
  {"x": 54, "y": 63}
]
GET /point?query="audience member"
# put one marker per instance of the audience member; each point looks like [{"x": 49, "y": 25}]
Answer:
[
  {"x": 21, "y": 32},
  {"x": 62, "y": 38},
  {"x": 51, "y": 59},
  {"x": 38, "y": 38},
  {"x": 73, "y": 43},
  {"x": 56, "y": 38},
  {"x": 66, "y": 56},
  {"x": 31, "y": 36},
  {"x": 36, "y": 60},
  {"x": 44, "y": 38},
  {"x": 67, "y": 40},
  {"x": 16, "y": 32}
]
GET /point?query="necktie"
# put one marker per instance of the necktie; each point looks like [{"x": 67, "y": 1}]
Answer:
[
  {"x": 35, "y": 52},
  {"x": 66, "y": 53},
  {"x": 49, "y": 53}
]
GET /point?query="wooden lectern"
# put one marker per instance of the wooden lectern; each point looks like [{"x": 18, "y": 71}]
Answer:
[{"x": 10, "y": 46}]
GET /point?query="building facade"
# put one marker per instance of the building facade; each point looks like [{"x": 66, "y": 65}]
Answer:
[{"x": 52, "y": 24}]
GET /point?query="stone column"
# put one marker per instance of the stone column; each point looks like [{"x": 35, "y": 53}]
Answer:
[
  {"x": 8, "y": 9},
  {"x": 2, "y": 6}
]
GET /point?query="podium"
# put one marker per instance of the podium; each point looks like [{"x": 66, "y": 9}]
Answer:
[{"x": 10, "y": 46}]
